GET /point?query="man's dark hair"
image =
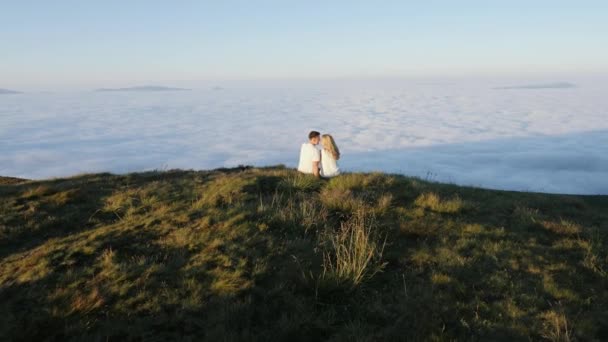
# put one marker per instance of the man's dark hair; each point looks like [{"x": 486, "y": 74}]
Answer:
[{"x": 313, "y": 134}]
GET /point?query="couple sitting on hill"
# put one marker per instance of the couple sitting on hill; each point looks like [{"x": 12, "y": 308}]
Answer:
[{"x": 319, "y": 162}]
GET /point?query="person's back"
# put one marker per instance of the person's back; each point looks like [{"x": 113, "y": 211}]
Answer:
[
  {"x": 310, "y": 156},
  {"x": 329, "y": 165},
  {"x": 329, "y": 157}
]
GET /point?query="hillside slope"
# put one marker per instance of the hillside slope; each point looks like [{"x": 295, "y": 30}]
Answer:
[{"x": 268, "y": 254}]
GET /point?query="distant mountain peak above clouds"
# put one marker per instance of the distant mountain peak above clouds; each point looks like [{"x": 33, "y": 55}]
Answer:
[
  {"x": 8, "y": 91},
  {"x": 554, "y": 85},
  {"x": 143, "y": 88}
]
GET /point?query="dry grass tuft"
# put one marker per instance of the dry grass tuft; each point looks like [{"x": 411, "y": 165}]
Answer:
[
  {"x": 355, "y": 253},
  {"x": 432, "y": 201},
  {"x": 555, "y": 326},
  {"x": 563, "y": 227},
  {"x": 38, "y": 191},
  {"x": 86, "y": 302}
]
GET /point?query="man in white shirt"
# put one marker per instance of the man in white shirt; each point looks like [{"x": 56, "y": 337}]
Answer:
[{"x": 310, "y": 156}]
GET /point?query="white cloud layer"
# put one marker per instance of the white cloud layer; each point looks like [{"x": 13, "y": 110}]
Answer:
[{"x": 550, "y": 140}]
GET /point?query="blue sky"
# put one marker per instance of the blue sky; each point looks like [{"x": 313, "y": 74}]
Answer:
[{"x": 100, "y": 42}]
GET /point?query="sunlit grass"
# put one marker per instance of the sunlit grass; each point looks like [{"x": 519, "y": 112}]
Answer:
[
  {"x": 271, "y": 254},
  {"x": 433, "y": 202}
]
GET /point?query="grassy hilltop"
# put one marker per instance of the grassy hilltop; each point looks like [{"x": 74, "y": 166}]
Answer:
[{"x": 268, "y": 254}]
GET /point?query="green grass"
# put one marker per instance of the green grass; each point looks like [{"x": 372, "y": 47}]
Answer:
[{"x": 259, "y": 254}]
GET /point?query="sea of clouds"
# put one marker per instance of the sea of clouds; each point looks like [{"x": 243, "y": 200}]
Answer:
[{"x": 493, "y": 134}]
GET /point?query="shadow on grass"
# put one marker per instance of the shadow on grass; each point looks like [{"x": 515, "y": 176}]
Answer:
[{"x": 245, "y": 267}]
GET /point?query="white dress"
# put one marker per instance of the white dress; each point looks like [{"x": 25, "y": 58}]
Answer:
[{"x": 329, "y": 166}]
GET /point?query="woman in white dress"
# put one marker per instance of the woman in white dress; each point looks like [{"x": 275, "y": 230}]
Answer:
[{"x": 329, "y": 157}]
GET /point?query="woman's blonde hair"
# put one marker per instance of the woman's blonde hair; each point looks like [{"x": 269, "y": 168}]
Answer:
[{"x": 330, "y": 145}]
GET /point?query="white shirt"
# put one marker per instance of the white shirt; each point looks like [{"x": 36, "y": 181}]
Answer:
[
  {"x": 308, "y": 154},
  {"x": 329, "y": 166}
]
